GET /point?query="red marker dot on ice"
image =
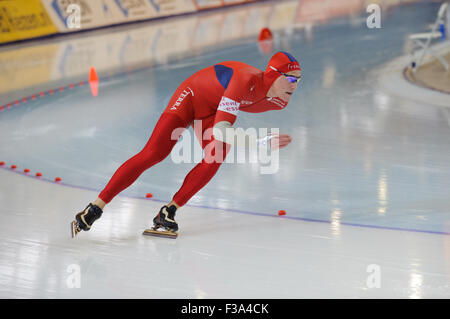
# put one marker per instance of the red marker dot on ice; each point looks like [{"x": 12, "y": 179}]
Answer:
[
  {"x": 57, "y": 179},
  {"x": 281, "y": 212},
  {"x": 13, "y": 166},
  {"x": 149, "y": 195},
  {"x": 38, "y": 174},
  {"x": 26, "y": 170}
]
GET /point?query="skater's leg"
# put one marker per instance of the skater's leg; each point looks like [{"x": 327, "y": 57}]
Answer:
[
  {"x": 173, "y": 203},
  {"x": 199, "y": 176},
  {"x": 99, "y": 202},
  {"x": 157, "y": 148},
  {"x": 175, "y": 118},
  {"x": 202, "y": 173},
  {"x": 179, "y": 113}
]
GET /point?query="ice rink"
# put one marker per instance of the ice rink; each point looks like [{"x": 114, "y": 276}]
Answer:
[{"x": 365, "y": 182}]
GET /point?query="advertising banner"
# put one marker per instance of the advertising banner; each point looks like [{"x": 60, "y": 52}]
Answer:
[{"x": 24, "y": 19}]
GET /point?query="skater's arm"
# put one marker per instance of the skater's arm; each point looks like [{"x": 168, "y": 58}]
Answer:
[
  {"x": 223, "y": 131},
  {"x": 223, "y": 125}
]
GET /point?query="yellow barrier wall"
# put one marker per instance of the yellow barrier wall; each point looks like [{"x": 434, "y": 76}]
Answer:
[{"x": 24, "y": 19}]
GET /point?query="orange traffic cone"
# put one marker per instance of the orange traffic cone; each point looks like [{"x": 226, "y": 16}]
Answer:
[
  {"x": 93, "y": 81},
  {"x": 265, "y": 41}
]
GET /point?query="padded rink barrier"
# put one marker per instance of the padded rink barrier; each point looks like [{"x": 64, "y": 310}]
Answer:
[
  {"x": 27, "y": 19},
  {"x": 24, "y": 19}
]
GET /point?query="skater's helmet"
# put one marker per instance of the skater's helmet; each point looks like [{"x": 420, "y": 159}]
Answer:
[{"x": 280, "y": 62}]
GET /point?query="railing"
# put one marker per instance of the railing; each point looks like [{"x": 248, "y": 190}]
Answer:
[{"x": 421, "y": 41}]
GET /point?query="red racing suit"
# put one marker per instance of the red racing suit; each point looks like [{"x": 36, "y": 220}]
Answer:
[{"x": 211, "y": 95}]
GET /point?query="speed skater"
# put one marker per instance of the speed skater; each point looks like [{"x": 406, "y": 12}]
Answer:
[{"x": 214, "y": 96}]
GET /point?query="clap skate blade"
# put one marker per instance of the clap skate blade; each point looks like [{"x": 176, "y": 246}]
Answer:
[
  {"x": 154, "y": 231},
  {"x": 74, "y": 228}
]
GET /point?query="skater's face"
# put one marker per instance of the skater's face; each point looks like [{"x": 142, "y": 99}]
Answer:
[{"x": 284, "y": 86}]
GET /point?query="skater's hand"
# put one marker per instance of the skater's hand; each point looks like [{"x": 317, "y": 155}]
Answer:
[{"x": 279, "y": 141}]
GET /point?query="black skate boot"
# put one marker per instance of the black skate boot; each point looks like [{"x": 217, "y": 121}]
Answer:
[
  {"x": 164, "y": 219},
  {"x": 85, "y": 219}
]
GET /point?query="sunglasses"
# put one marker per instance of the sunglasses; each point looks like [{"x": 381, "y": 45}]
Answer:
[{"x": 290, "y": 78}]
